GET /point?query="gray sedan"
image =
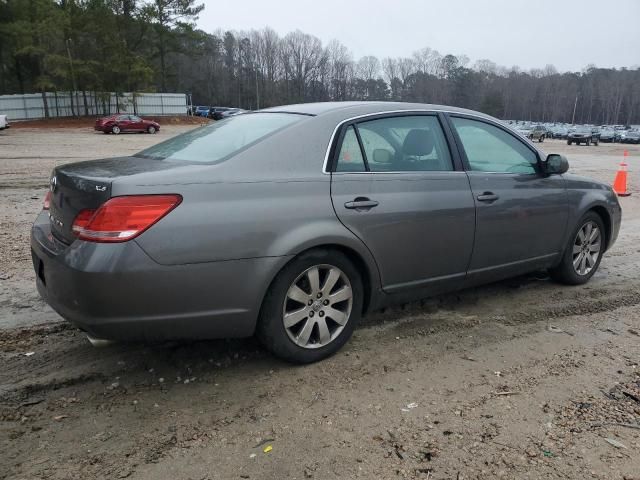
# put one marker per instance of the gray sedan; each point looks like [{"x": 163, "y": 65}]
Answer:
[{"x": 291, "y": 223}]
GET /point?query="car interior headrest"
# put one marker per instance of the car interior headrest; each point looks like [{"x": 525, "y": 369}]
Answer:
[{"x": 418, "y": 143}]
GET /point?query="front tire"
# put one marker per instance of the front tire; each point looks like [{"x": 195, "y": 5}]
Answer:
[
  {"x": 151, "y": 129},
  {"x": 583, "y": 253},
  {"x": 312, "y": 307}
]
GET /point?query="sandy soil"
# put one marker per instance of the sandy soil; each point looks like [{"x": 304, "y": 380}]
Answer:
[{"x": 520, "y": 379}]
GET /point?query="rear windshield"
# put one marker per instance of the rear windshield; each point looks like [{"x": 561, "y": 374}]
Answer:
[{"x": 220, "y": 140}]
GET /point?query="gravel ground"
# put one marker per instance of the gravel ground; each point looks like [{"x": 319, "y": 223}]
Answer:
[{"x": 520, "y": 379}]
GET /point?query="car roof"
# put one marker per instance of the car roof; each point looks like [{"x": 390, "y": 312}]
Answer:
[{"x": 351, "y": 109}]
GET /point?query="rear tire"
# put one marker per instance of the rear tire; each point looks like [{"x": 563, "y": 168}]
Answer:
[
  {"x": 325, "y": 334},
  {"x": 115, "y": 129},
  {"x": 566, "y": 272}
]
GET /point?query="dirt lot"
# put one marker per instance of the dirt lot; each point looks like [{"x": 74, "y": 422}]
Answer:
[{"x": 520, "y": 379}]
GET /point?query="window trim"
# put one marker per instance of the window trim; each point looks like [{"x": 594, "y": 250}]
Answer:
[
  {"x": 463, "y": 154},
  {"x": 333, "y": 150}
]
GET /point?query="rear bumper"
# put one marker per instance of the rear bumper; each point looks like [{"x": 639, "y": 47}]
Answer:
[{"x": 116, "y": 291}]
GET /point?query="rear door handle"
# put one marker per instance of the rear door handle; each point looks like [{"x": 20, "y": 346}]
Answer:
[
  {"x": 488, "y": 197},
  {"x": 361, "y": 203}
]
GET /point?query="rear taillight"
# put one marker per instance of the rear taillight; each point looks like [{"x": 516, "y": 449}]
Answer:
[
  {"x": 47, "y": 201},
  {"x": 123, "y": 218},
  {"x": 82, "y": 220}
]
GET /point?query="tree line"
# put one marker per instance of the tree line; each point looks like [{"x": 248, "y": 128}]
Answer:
[{"x": 154, "y": 45}]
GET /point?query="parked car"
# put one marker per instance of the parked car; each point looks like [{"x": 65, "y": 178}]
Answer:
[
  {"x": 270, "y": 223},
  {"x": 538, "y": 133},
  {"x": 607, "y": 135},
  {"x": 4, "y": 122},
  {"x": 201, "y": 111},
  {"x": 561, "y": 132},
  {"x": 230, "y": 112},
  {"x": 123, "y": 123},
  {"x": 619, "y": 134},
  {"x": 525, "y": 131},
  {"x": 631, "y": 136},
  {"x": 586, "y": 135},
  {"x": 213, "y": 110}
]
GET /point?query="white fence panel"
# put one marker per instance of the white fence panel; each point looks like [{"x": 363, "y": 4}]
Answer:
[{"x": 67, "y": 104}]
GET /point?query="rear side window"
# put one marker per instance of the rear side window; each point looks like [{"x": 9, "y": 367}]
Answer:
[
  {"x": 491, "y": 149},
  {"x": 405, "y": 144},
  {"x": 220, "y": 140},
  {"x": 350, "y": 158}
]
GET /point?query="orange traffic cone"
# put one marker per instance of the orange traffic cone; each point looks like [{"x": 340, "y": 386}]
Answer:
[{"x": 620, "y": 182}]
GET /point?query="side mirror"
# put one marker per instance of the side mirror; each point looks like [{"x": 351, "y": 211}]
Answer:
[{"x": 555, "y": 164}]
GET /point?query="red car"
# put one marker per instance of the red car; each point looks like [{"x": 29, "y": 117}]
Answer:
[{"x": 125, "y": 123}]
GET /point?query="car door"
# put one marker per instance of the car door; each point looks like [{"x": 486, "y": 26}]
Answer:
[
  {"x": 136, "y": 123},
  {"x": 521, "y": 214},
  {"x": 124, "y": 123},
  {"x": 396, "y": 186}
]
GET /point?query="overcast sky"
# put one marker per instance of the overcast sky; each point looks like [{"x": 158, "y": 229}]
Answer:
[{"x": 569, "y": 34}]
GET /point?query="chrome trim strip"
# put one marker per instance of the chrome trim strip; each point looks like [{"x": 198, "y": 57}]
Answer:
[
  {"x": 404, "y": 172},
  {"x": 335, "y": 130}
]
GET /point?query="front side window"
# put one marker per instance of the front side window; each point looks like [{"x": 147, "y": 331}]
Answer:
[
  {"x": 491, "y": 149},
  {"x": 405, "y": 144},
  {"x": 220, "y": 140}
]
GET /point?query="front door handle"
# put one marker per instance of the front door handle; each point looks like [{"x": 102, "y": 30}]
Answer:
[
  {"x": 361, "y": 203},
  {"x": 488, "y": 197}
]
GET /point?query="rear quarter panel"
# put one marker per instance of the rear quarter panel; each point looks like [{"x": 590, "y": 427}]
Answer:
[{"x": 268, "y": 201}]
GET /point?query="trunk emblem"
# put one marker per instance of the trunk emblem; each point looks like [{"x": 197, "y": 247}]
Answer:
[
  {"x": 101, "y": 188},
  {"x": 53, "y": 184},
  {"x": 55, "y": 221}
]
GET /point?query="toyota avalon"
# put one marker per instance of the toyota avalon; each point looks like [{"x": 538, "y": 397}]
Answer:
[{"x": 291, "y": 223}]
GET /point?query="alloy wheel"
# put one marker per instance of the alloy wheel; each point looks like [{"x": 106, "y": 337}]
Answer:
[
  {"x": 586, "y": 248},
  {"x": 317, "y": 306}
]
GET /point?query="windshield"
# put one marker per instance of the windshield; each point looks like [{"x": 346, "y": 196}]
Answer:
[
  {"x": 583, "y": 129},
  {"x": 220, "y": 140}
]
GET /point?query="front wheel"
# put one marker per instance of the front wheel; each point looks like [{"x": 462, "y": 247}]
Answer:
[
  {"x": 151, "y": 129},
  {"x": 582, "y": 255},
  {"x": 312, "y": 307},
  {"x": 568, "y": 142}
]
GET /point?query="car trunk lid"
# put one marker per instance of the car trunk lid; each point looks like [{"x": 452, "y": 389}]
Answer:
[{"x": 87, "y": 185}]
